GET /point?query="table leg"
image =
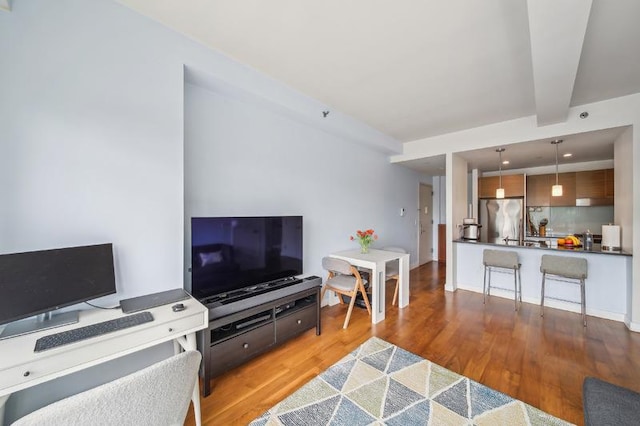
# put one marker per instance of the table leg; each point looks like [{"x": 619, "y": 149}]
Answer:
[
  {"x": 378, "y": 283},
  {"x": 404, "y": 282}
]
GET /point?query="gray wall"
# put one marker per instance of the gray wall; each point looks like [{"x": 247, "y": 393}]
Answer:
[{"x": 243, "y": 158}]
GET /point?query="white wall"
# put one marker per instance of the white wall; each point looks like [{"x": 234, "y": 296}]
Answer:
[
  {"x": 623, "y": 190},
  {"x": 243, "y": 158},
  {"x": 91, "y": 150},
  {"x": 91, "y": 129},
  {"x": 457, "y": 178}
]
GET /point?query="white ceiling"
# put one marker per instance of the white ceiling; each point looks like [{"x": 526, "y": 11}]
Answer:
[{"x": 419, "y": 68}]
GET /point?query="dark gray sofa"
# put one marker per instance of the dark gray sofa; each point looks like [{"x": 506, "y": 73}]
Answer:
[{"x": 608, "y": 404}]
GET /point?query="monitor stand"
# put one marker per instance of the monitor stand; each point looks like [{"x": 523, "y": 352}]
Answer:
[{"x": 38, "y": 323}]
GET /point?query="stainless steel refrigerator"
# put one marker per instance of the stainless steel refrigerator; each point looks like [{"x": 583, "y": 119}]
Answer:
[{"x": 502, "y": 220}]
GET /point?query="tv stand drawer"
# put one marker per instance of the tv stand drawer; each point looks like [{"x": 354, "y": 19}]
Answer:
[
  {"x": 295, "y": 323},
  {"x": 237, "y": 350}
]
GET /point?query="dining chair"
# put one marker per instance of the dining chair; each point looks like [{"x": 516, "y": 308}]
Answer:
[
  {"x": 393, "y": 271},
  {"x": 344, "y": 280}
]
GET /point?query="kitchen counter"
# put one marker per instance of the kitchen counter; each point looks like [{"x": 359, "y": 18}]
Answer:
[
  {"x": 607, "y": 288},
  {"x": 538, "y": 243}
]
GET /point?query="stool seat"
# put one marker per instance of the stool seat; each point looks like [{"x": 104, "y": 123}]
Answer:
[
  {"x": 564, "y": 266},
  {"x": 502, "y": 260},
  {"x": 567, "y": 268}
]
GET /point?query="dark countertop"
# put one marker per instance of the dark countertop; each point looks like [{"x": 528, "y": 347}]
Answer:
[{"x": 536, "y": 245}]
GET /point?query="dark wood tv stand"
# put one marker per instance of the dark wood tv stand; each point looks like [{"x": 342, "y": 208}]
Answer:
[{"x": 236, "y": 338}]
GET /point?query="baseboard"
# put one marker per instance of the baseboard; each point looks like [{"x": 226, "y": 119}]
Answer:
[
  {"x": 632, "y": 326},
  {"x": 555, "y": 304}
]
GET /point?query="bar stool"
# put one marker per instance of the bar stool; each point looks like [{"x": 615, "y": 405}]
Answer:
[
  {"x": 501, "y": 260},
  {"x": 569, "y": 268}
]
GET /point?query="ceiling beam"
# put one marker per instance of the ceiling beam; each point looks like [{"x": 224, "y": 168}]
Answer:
[
  {"x": 557, "y": 30},
  {"x": 5, "y": 5}
]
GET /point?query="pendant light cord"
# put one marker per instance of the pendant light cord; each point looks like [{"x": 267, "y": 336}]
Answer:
[
  {"x": 556, "y": 144},
  {"x": 499, "y": 151},
  {"x": 500, "y": 166}
]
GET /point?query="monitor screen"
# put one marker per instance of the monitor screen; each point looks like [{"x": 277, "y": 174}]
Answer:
[
  {"x": 40, "y": 281},
  {"x": 231, "y": 253}
]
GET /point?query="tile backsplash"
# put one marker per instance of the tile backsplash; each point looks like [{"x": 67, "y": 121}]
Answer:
[{"x": 569, "y": 220}]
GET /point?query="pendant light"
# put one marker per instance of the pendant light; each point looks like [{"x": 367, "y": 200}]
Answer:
[
  {"x": 500, "y": 190},
  {"x": 556, "y": 190}
]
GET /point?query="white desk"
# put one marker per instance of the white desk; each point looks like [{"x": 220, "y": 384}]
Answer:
[
  {"x": 21, "y": 367},
  {"x": 376, "y": 261}
]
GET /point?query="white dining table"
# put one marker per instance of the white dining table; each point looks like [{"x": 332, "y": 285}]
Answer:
[{"x": 376, "y": 261}]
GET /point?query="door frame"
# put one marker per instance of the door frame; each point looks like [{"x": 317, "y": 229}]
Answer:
[{"x": 429, "y": 227}]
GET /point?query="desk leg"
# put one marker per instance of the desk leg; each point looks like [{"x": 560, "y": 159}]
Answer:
[
  {"x": 188, "y": 343},
  {"x": 404, "y": 282},
  {"x": 191, "y": 344},
  {"x": 3, "y": 401}
]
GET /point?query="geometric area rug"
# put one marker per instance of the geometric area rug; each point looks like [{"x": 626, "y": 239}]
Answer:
[{"x": 382, "y": 384}]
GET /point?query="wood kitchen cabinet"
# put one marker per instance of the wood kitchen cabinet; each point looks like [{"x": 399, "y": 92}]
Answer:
[
  {"x": 594, "y": 187},
  {"x": 609, "y": 184},
  {"x": 590, "y": 184},
  {"x": 513, "y": 186},
  {"x": 568, "y": 182},
  {"x": 539, "y": 190},
  {"x": 588, "y": 188}
]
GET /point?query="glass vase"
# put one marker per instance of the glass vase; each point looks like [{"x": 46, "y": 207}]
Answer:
[{"x": 364, "y": 248}]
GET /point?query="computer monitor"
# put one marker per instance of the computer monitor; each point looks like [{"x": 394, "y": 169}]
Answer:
[{"x": 44, "y": 281}]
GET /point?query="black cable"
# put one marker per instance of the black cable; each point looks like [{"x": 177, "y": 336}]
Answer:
[{"x": 101, "y": 307}]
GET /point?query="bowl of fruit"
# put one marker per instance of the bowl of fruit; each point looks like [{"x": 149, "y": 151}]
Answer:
[{"x": 569, "y": 241}]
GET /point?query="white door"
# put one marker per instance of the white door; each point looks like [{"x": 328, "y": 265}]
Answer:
[{"x": 425, "y": 241}]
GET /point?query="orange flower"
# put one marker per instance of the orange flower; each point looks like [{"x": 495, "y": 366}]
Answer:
[{"x": 365, "y": 238}]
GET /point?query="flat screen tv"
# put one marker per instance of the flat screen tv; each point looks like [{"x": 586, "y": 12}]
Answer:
[
  {"x": 42, "y": 281},
  {"x": 230, "y": 254}
]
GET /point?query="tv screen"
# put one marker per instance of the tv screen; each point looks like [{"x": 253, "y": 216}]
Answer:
[
  {"x": 233, "y": 253},
  {"x": 40, "y": 281}
]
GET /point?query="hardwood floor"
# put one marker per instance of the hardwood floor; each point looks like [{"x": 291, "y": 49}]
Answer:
[{"x": 541, "y": 361}]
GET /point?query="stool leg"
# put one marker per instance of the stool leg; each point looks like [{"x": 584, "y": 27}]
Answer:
[
  {"x": 583, "y": 302},
  {"x": 542, "y": 296},
  {"x": 484, "y": 286},
  {"x": 520, "y": 284},
  {"x": 515, "y": 289}
]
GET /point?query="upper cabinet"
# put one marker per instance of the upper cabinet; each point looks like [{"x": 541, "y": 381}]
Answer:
[
  {"x": 590, "y": 184},
  {"x": 608, "y": 184},
  {"x": 513, "y": 186},
  {"x": 538, "y": 190},
  {"x": 588, "y": 188},
  {"x": 568, "y": 197},
  {"x": 594, "y": 188}
]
